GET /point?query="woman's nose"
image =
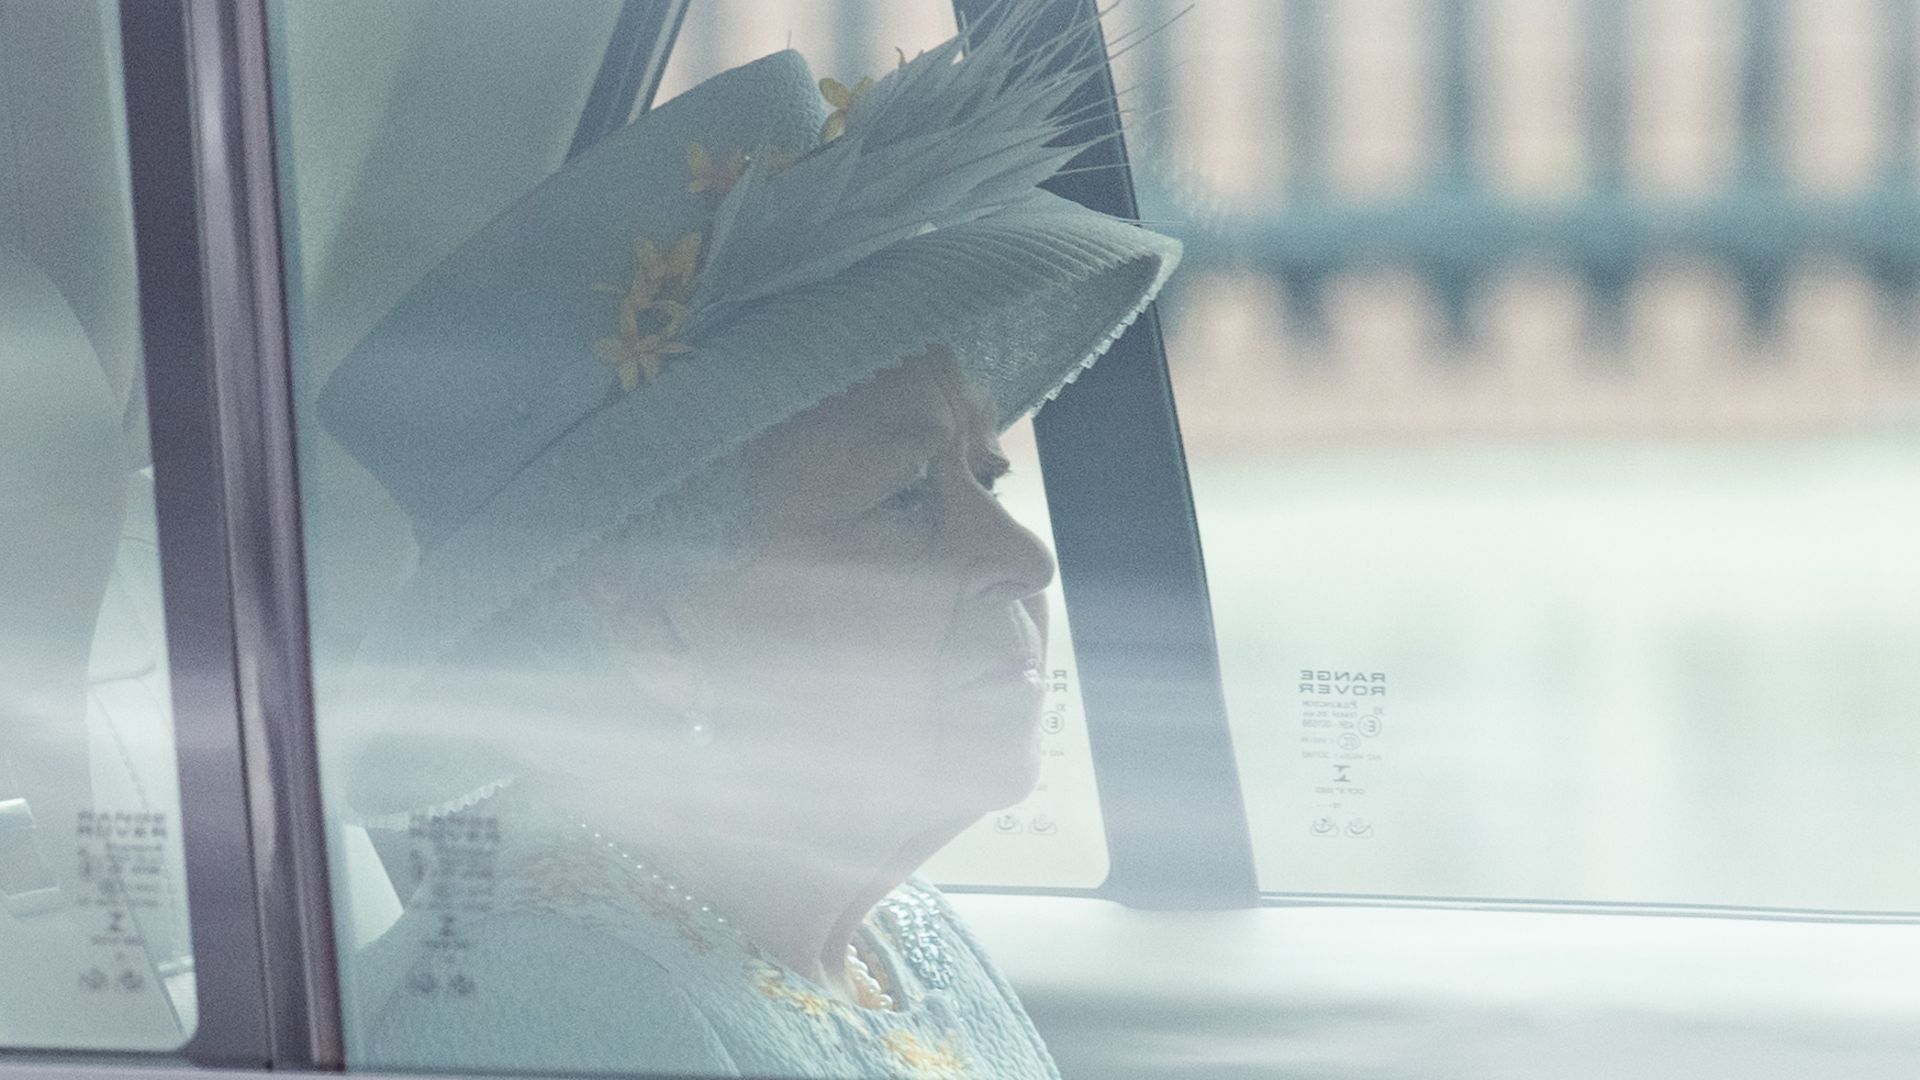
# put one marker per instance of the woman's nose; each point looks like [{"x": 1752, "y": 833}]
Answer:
[{"x": 1002, "y": 556}]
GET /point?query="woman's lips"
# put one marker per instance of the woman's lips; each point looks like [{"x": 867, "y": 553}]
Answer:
[
  {"x": 1008, "y": 696},
  {"x": 1009, "y": 699},
  {"x": 1019, "y": 669},
  {"x": 1012, "y": 652}
]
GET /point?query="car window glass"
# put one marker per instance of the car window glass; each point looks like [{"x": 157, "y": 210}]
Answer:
[
  {"x": 1548, "y": 378},
  {"x": 96, "y": 951},
  {"x": 568, "y": 720}
]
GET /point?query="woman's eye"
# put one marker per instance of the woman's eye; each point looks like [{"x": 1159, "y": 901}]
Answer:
[
  {"x": 914, "y": 496},
  {"x": 991, "y": 476}
]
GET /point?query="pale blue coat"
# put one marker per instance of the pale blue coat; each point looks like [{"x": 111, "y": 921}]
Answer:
[{"x": 541, "y": 951}]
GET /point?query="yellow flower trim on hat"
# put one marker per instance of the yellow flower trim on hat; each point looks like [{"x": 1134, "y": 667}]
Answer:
[
  {"x": 653, "y": 311},
  {"x": 841, "y": 98},
  {"x": 712, "y": 176}
]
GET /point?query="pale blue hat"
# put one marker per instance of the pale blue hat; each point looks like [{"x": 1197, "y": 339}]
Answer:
[{"x": 517, "y": 421}]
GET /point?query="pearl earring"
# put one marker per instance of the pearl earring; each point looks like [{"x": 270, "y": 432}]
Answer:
[
  {"x": 697, "y": 720},
  {"x": 698, "y": 731}
]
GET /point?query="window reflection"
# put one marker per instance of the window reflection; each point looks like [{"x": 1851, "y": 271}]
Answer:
[
  {"x": 95, "y": 945},
  {"x": 1054, "y": 838},
  {"x": 1554, "y": 361},
  {"x": 710, "y": 624}
]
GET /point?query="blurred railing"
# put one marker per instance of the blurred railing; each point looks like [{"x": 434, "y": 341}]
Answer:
[
  {"x": 1457, "y": 229},
  {"x": 1691, "y": 233}
]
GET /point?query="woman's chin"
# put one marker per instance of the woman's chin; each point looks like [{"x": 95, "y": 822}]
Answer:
[
  {"x": 969, "y": 798},
  {"x": 992, "y": 770},
  {"x": 1013, "y": 790}
]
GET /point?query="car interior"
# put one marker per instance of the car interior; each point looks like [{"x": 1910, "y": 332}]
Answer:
[{"x": 1486, "y": 631}]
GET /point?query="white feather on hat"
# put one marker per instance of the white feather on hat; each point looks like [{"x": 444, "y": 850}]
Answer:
[{"x": 959, "y": 132}]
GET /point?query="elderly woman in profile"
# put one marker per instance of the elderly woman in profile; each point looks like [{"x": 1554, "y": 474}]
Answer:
[{"x": 715, "y": 640}]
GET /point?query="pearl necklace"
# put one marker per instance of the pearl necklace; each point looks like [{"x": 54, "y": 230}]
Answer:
[{"x": 867, "y": 989}]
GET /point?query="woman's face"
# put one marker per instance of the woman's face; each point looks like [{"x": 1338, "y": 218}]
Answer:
[{"x": 886, "y": 643}]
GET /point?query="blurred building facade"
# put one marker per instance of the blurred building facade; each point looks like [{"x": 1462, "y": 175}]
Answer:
[{"x": 1436, "y": 218}]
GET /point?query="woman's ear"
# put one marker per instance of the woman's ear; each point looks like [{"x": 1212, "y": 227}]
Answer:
[{"x": 654, "y": 645}]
